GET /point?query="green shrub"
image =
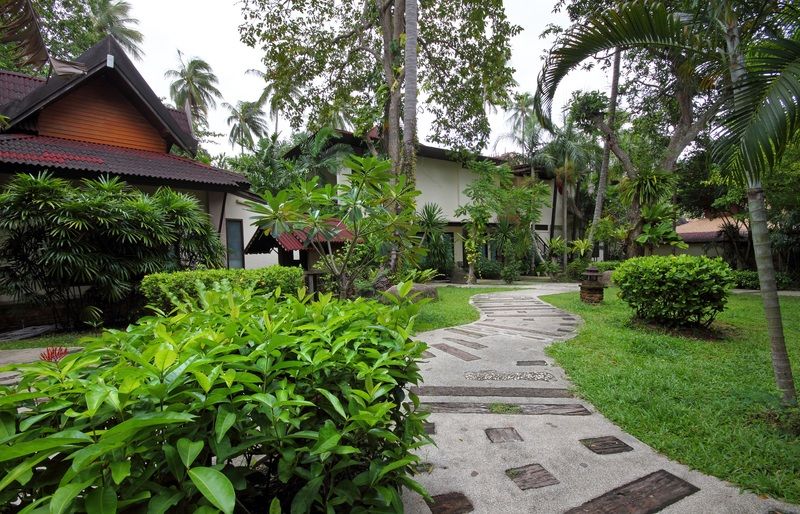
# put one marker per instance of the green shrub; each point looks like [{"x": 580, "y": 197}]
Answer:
[
  {"x": 251, "y": 400},
  {"x": 166, "y": 290},
  {"x": 487, "y": 268},
  {"x": 748, "y": 279},
  {"x": 510, "y": 272},
  {"x": 576, "y": 268},
  {"x": 675, "y": 290},
  {"x": 84, "y": 247},
  {"x": 606, "y": 265}
]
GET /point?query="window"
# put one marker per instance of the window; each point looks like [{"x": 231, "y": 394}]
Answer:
[
  {"x": 542, "y": 227},
  {"x": 234, "y": 240}
]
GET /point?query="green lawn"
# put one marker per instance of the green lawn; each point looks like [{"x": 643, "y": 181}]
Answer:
[
  {"x": 62, "y": 339},
  {"x": 452, "y": 308},
  {"x": 707, "y": 404}
]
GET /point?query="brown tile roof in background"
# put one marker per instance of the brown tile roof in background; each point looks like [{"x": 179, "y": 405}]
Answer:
[
  {"x": 703, "y": 230},
  {"x": 63, "y": 154},
  {"x": 14, "y": 86}
]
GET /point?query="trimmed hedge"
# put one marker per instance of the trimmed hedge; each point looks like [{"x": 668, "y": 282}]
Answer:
[
  {"x": 675, "y": 290},
  {"x": 748, "y": 279},
  {"x": 606, "y": 265},
  {"x": 488, "y": 269},
  {"x": 165, "y": 290}
]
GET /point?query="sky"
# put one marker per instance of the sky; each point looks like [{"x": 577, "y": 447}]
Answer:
[{"x": 209, "y": 29}]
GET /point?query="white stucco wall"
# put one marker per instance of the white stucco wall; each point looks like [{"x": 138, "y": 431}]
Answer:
[{"x": 236, "y": 210}]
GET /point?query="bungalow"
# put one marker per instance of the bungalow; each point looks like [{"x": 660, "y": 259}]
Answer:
[
  {"x": 108, "y": 121},
  {"x": 441, "y": 178}
]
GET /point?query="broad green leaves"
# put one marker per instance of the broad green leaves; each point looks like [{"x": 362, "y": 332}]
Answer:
[
  {"x": 317, "y": 383},
  {"x": 215, "y": 487}
]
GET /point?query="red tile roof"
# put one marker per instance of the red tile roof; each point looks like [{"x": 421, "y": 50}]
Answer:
[
  {"x": 63, "y": 154},
  {"x": 264, "y": 242},
  {"x": 706, "y": 230},
  {"x": 14, "y": 86}
]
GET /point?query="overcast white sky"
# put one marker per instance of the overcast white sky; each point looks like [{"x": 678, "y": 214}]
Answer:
[{"x": 209, "y": 29}]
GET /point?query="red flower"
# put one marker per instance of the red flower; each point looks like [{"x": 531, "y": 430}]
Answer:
[{"x": 54, "y": 353}]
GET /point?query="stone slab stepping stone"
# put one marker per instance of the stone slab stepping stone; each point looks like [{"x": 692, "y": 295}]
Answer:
[
  {"x": 430, "y": 428},
  {"x": 468, "y": 344},
  {"x": 450, "y": 503},
  {"x": 26, "y": 333},
  {"x": 470, "y": 333},
  {"x": 503, "y": 435},
  {"x": 532, "y": 363},
  {"x": 455, "y": 352},
  {"x": 532, "y": 476},
  {"x": 606, "y": 445},
  {"x": 513, "y": 392},
  {"x": 646, "y": 495},
  {"x": 528, "y": 409}
]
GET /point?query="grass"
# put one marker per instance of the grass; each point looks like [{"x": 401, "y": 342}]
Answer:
[
  {"x": 710, "y": 404},
  {"x": 61, "y": 339},
  {"x": 505, "y": 408},
  {"x": 452, "y": 308}
]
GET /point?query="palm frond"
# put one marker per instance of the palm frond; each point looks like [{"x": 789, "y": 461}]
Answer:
[
  {"x": 765, "y": 113},
  {"x": 20, "y": 27},
  {"x": 641, "y": 24}
]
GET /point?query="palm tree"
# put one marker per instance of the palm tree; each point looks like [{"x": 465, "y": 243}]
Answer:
[
  {"x": 573, "y": 152},
  {"x": 762, "y": 110},
  {"x": 409, "y": 159},
  {"x": 276, "y": 100},
  {"x": 194, "y": 87},
  {"x": 602, "y": 180},
  {"x": 246, "y": 119},
  {"x": 113, "y": 18}
]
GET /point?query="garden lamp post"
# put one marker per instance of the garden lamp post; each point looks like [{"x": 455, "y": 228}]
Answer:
[{"x": 592, "y": 287}]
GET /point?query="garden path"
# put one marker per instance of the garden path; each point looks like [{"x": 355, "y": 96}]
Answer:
[{"x": 512, "y": 438}]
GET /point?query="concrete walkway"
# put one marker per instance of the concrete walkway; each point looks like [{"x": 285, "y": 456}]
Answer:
[{"x": 511, "y": 437}]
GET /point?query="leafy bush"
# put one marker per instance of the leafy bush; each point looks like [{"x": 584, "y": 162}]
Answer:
[
  {"x": 510, "y": 272},
  {"x": 548, "y": 268},
  {"x": 88, "y": 246},
  {"x": 166, "y": 291},
  {"x": 748, "y": 279},
  {"x": 249, "y": 400},
  {"x": 675, "y": 290},
  {"x": 576, "y": 268},
  {"x": 487, "y": 268},
  {"x": 606, "y": 265}
]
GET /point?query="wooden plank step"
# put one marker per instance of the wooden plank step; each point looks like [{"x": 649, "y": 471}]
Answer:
[
  {"x": 465, "y": 332},
  {"x": 527, "y": 409},
  {"x": 606, "y": 445},
  {"x": 512, "y": 392},
  {"x": 468, "y": 344},
  {"x": 532, "y": 476},
  {"x": 450, "y": 503},
  {"x": 645, "y": 495},
  {"x": 503, "y": 435},
  {"x": 455, "y": 352}
]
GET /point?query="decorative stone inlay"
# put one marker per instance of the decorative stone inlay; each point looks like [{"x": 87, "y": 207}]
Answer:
[
  {"x": 503, "y": 435},
  {"x": 646, "y": 495},
  {"x": 469, "y": 333},
  {"x": 430, "y": 428},
  {"x": 488, "y": 375},
  {"x": 606, "y": 445},
  {"x": 532, "y": 476},
  {"x": 528, "y": 409},
  {"x": 450, "y": 503}
]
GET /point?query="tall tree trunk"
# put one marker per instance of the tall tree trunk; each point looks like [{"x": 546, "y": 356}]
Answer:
[
  {"x": 410, "y": 86},
  {"x": 762, "y": 248},
  {"x": 602, "y": 182},
  {"x": 564, "y": 210},
  {"x": 769, "y": 295},
  {"x": 553, "y": 210}
]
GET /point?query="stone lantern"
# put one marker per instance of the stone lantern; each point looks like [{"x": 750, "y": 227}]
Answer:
[{"x": 592, "y": 287}]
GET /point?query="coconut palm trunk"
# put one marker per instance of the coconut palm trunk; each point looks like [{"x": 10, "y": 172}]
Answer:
[
  {"x": 602, "y": 181},
  {"x": 759, "y": 230}
]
